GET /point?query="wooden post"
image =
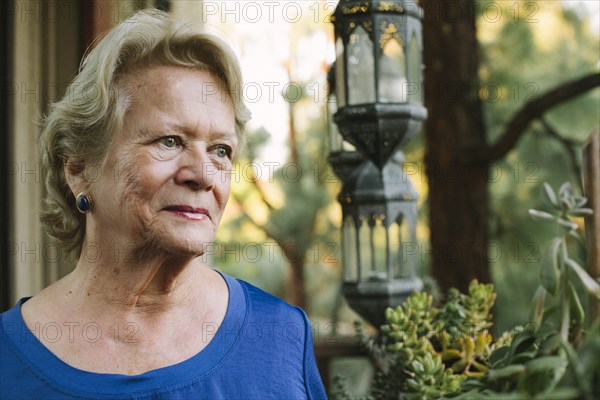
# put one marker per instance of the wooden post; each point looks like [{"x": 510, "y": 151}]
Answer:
[
  {"x": 98, "y": 16},
  {"x": 325, "y": 352},
  {"x": 591, "y": 185}
]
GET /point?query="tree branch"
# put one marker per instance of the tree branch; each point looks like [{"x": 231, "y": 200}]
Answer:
[
  {"x": 534, "y": 110},
  {"x": 263, "y": 196},
  {"x": 264, "y": 228}
]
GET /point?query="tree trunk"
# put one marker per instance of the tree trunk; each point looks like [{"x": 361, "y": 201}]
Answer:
[{"x": 455, "y": 137}]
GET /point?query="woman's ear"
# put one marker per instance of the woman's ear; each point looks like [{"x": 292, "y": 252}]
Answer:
[{"x": 75, "y": 175}]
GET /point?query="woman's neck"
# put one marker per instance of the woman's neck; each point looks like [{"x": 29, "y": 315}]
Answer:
[{"x": 136, "y": 280}]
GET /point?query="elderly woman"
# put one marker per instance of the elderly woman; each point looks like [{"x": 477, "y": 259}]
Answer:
[{"x": 139, "y": 154}]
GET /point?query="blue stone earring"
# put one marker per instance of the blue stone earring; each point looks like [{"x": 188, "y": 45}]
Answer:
[{"x": 84, "y": 203}]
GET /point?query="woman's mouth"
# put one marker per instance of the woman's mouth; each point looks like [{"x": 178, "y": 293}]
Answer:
[{"x": 188, "y": 212}]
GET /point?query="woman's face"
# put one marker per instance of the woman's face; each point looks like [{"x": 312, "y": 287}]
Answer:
[{"x": 167, "y": 177}]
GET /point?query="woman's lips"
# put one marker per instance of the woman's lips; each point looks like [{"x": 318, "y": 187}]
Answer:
[{"x": 188, "y": 212}]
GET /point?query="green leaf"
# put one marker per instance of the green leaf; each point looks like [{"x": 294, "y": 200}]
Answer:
[
  {"x": 522, "y": 342},
  {"x": 525, "y": 356},
  {"x": 580, "y": 212},
  {"x": 566, "y": 189},
  {"x": 506, "y": 372},
  {"x": 494, "y": 396},
  {"x": 413, "y": 384},
  {"x": 549, "y": 311},
  {"x": 417, "y": 367},
  {"x": 543, "y": 374},
  {"x": 566, "y": 203},
  {"x": 560, "y": 394},
  {"x": 499, "y": 355},
  {"x": 556, "y": 363},
  {"x": 577, "y": 312},
  {"x": 567, "y": 225},
  {"x": 550, "y": 271},
  {"x": 538, "y": 215},
  {"x": 590, "y": 284},
  {"x": 580, "y": 201},
  {"x": 551, "y": 344},
  {"x": 538, "y": 306},
  {"x": 578, "y": 368},
  {"x": 550, "y": 196}
]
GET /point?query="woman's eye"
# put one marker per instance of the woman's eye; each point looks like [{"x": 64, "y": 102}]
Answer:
[
  {"x": 222, "y": 151},
  {"x": 170, "y": 141}
]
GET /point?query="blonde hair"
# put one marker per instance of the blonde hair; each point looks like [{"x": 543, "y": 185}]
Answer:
[{"x": 82, "y": 125}]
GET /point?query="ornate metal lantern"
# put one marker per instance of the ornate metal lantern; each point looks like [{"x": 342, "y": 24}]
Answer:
[
  {"x": 377, "y": 83},
  {"x": 378, "y": 70}
]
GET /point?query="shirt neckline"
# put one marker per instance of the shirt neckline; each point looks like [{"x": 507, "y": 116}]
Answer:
[{"x": 65, "y": 377}]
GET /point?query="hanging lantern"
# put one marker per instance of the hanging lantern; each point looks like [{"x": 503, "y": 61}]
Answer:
[
  {"x": 378, "y": 72},
  {"x": 375, "y": 101}
]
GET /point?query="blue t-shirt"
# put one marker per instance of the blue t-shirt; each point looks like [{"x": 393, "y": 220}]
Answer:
[{"x": 262, "y": 350}]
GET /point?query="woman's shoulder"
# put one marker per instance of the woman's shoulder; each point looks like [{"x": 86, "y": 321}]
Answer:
[
  {"x": 283, "y": 329},
  {"x": 268, "y": 307}
]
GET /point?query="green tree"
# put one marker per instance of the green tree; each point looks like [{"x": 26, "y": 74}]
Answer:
[{"x": 495, "y": 72}]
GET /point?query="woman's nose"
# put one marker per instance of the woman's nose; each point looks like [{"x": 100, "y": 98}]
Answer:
[{"x": 196, "y": 170}]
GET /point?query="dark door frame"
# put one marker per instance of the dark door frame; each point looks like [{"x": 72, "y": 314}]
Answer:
[{"x": 6, "y": 34}]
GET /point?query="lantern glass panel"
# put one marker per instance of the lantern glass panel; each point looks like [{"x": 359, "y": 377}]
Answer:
[
  {"x": 349, "y": 250},
  {"x": 371, "y": 236},
  {"x": 340, "y": 74},
  {"x": 364, "y": 249},
  {"x": 405, "y": 263},
  {"x": 335, "y": 138},
  {"x": 394, "y": 249},
  {"x": 361, "y": 68},
  {"x": 414, "y": 71},
  {"x": 379, "y": 253},
  {"x": 392, "y": 73}
]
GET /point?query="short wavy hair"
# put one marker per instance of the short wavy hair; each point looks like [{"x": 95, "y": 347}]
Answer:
[{"x": 82, "y": 125}]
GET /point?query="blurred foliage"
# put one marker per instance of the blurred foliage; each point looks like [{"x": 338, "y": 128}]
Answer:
[
  {"x": 291, "y": 203},
  {"x": 534, "y": 47},
  {"x": 299, "y": 210},
  {"x": 432, "y": 352}
]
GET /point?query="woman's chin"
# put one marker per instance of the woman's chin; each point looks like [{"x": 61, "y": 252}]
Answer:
[{"x": 190, "y": 246}]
